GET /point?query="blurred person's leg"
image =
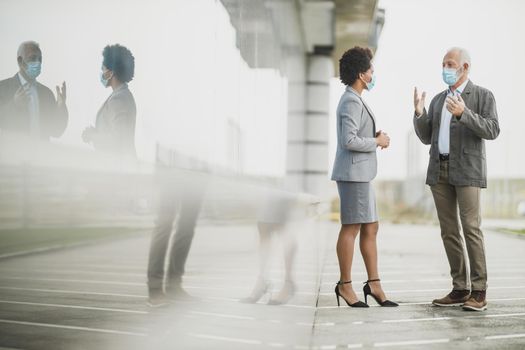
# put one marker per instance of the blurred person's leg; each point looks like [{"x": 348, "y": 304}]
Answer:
[
  {"x": 289, "y": 242},
  {"x": 189, "y": 212},
  {"x": 265, "y": 243},
  {"x": 159, "y": 242}
]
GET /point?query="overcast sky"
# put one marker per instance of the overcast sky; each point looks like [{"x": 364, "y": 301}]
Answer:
[{"x": 416, "y": 35}]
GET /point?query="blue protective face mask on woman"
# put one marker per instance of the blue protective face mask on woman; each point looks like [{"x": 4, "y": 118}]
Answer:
[
  {"x": 33, "y": 69},
  {"x": 370, "y": 84},
  {"x": 450, "y": 76},
  {"x": 104, "y": 81}
]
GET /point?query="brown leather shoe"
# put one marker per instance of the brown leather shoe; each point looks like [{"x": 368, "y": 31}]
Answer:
[
  {"x": 477, "y": 301},
  {"x": 454, "y": 298}
]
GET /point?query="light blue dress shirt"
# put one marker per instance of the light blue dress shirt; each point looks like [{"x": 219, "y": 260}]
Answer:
[
  {"x": 446, "y": 116},
  {"x": 34, "y": 105}
]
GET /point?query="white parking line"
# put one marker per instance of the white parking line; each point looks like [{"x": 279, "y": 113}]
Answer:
[
  {"x": 223, "y": 315},
  {"x": 76, "y": 272},
  {"x": 451, "y": 317},
  {"x": 234, "y": 340},
  {"x": 325, "y": 324},
  {"x": 412, "y": 342},
  {"x": 505, "y": 336},
  {"x": 276, "y": 345},
  {"x": 74, "y": 281},
  {"x": 73, "y": 307},
  {"x": 298, "y": 306},
  {"x": 75, "y": 292},
  {"x": 111, "y": 265},
  {"x": 87, "y": 329},
  {"x": 418, "y": 319}
]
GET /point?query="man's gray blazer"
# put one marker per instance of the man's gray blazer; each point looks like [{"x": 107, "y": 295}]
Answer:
[
  {"x": 355, "y": 159},
  {"x": 53, "y": 118},
  {"x": 479, "y": 122}
]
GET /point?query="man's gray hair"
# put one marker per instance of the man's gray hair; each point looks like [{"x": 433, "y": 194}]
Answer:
[
  {"x": 464, "y": 56},
  {"x": 23, "y": 46}
]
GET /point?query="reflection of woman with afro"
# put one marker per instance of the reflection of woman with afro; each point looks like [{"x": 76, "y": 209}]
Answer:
[{"x": 114, "y": 129}]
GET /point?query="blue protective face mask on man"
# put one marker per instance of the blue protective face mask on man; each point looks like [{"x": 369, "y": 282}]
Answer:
[
  {"x": 450, "y": 76},
  {"x": 33, "y": 69}
]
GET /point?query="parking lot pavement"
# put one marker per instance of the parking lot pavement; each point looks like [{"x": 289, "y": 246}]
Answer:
[{"x": 94, "y": 297}]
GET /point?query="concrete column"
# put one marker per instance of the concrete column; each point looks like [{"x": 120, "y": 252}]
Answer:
[
  {"x": 296, "y": 68},
  {"x": 316, "y": 172}
]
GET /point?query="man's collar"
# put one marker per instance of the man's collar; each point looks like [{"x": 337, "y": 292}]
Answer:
[
  {"x": 460, "y": 88},
  {"x": 23, "y": 81}
]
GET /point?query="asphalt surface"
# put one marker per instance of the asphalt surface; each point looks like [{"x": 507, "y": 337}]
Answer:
[{"x": 94, "y": 296}]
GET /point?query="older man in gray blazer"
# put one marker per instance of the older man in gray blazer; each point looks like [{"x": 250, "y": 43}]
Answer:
[
  {"x": 458, "y": 121},
  {"x": 28, "y": 107}
]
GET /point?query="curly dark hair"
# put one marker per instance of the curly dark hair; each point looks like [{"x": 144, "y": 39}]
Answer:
[
  {"x": 120, "y": 61},
  {"x": 354, "y": 61}
]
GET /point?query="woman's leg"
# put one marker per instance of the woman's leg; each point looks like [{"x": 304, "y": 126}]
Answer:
[
  {"x": 368, "y": 246},
  {"x": 345, "y": 255},
  {"x": 289, "y": 242},
  {"x": 265, "y": 244}
]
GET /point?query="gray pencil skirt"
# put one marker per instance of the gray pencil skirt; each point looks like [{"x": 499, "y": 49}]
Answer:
[{"x": 358, "y": 202}]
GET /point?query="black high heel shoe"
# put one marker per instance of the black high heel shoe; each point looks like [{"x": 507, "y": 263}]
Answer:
[
  {"x": 356, "y": 304},
  {"x": 368, "y": 291}
]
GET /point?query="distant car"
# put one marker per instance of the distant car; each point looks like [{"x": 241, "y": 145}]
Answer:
[{"x": 521, "y": 208}]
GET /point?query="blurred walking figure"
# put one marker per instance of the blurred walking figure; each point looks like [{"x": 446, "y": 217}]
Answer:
[
  {"x": 180, "y": 198},
  {"x": 355, "y": 167},
  {"x": 458, "y": 121},
  {"x": 114, "y": 129},
  {"x": 271, "y": 221},
  {"x": 27, "y": 106}
]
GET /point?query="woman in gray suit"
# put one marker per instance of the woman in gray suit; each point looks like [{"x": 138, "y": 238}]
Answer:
[
  {"x": 355, "y": 167},
  {"x": 114, "y": 129}
]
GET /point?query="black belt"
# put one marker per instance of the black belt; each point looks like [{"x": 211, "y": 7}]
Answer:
[{"x": 443, "y": 157}]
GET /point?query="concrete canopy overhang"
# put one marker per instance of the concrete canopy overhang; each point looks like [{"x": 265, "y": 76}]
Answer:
[{"x": 357, "y": 23}]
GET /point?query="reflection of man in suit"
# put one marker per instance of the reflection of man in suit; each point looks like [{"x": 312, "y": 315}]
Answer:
[
  {"x": 28, "y": 107},
  {"x": 457, "y": 123},
  {"x": 180, "y": 200}
]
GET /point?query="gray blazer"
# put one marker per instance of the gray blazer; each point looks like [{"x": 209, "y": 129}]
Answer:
[
  {"x": 53, "y": 118},
  {"x": 479, "y": 122},
  {"x": 115, "y": 124},
  {"x": 355, "y": 158}
]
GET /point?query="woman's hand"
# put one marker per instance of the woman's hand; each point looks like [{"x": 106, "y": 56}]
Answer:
[
  {"x": 87, "y": 134},
  {"x": 382, "y": 139}
]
